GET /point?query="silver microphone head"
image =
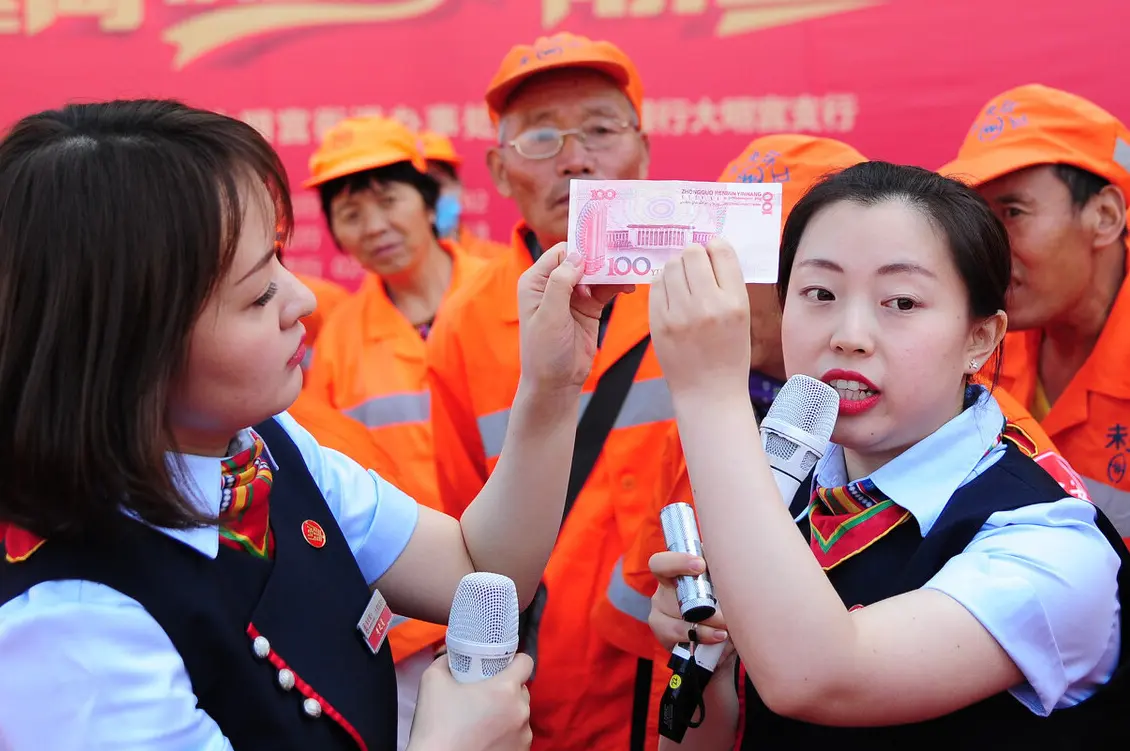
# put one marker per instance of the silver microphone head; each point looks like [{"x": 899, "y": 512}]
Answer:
[
  {"x": 799, "y": 424},
  {"x": 696, "y": 593},
  {"x": 482, "y": 632}
]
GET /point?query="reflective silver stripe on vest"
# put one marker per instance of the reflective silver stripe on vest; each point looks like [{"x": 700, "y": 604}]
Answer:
[
  {"x": 625, "y": 599},
  {"x": 393, "y": 410},
  {"x": 648, "y": 401},
  {"x": 397, "y": 620},
  {"x": 1115, "y": 504}
]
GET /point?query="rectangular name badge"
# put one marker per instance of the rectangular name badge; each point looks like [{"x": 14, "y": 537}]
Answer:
[{"x": 375, "y": 621}]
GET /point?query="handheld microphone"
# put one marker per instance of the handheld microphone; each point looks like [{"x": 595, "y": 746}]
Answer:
[
  {"x": 796, "y": 430},
  {"x": 794, "y": 436},
  {"x": 680, "y": 531},
  {"x": 482, "y": 632}
]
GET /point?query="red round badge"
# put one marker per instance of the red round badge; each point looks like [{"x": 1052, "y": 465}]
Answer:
[{"x": 314, "y": 533}]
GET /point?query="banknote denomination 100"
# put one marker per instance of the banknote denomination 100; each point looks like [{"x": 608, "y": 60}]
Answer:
[{"x": 626, "y": 230}]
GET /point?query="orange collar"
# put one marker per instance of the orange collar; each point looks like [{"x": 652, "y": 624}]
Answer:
[
  {"x": 510, "y": 269},
  {"x": 381, "y": 319},
  {"x": 1102, "y": 373},
  {"x": 629, "y": 321}
]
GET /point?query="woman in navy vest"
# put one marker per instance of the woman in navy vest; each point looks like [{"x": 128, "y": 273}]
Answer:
[
  {"x": 181, "y": 565},
  {"x": 942, "y": 589}
]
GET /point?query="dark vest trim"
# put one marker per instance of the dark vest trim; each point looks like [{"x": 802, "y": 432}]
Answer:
[
  {"x": 308, "y": 691},
  {"x": 902, "y": 563},
  {"x": 305, "y": 602}
]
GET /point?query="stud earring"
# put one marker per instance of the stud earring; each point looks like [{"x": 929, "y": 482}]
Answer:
[{"x": 973, "y": 364}]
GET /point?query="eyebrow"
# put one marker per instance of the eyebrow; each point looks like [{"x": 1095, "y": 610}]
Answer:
[
  {"x": 537, "y": 118},
  {"x": 887, "y": 270},
  {"x": 602, "y": 109},
  {"x": 262, "y": 262}
]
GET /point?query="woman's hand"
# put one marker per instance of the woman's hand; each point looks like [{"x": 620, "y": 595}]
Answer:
[
  {"x": 666, "y": 622},
  {"x": 491, "y": 715},
  {"x": 699, "y": 312},
  {"x": 559, "y": 319}
]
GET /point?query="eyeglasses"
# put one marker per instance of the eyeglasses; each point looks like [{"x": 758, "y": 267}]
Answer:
[{"x": 546, "y": 143}]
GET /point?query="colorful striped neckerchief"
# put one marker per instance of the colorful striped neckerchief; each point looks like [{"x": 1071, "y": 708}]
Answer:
[
  {"x": 848, "y": 519},
  {"x": 244, "y": 522}
]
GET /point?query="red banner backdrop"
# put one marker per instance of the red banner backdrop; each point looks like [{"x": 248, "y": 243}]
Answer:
[{"x": 899, "y": 79}]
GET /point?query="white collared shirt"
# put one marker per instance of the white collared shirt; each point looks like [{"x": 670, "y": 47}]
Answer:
[
  {"x": 82, "y": 666},
  {"x": 1041, "y": 579}
]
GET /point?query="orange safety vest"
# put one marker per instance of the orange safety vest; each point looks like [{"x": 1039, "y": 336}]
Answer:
[
  {"x": 1090, "y": 421},
  {"x": 621, "y": 614},
  {"x": 333, "y": 430},
  {"x": 370, "y": 364},
  {"x": 582, "y": 694},
  {"x": 481, "y": 247},
  {"x": 328, "y": 295}
]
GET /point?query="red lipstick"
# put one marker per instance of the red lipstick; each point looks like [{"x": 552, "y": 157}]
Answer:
[
  {"x": 299, "y": 354},
  {"x": 853, "y": 400}
]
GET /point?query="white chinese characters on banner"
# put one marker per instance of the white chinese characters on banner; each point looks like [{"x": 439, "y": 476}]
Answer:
[
  {"x": 828, "y": 114},
  {"x": 442, "y": 119},
  {"x": 833, "y": 113},
  {"x": 308, "y": 265},
  {"x": 33, "y": 17},
  {"x": 302, "y": 128},
  {"x": 306, "y": 206}
]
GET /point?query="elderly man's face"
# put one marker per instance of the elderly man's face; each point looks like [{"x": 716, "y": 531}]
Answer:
[{"x": 565, "y": 100}]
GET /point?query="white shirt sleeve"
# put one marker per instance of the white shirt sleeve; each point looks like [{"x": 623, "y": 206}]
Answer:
[
  {"x": 376, "y": 517},
  {"x": 1042, "y": 580},
  {"x": 86, "y": 668}
]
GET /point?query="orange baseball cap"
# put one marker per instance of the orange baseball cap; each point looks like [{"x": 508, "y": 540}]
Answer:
[
  {"x": 1032, "y": 125},
  {"x": 562, "y": 50},
  {"x": 795, "y": 161},
  {"x": 363, "y": 143},
  {"x": 438, "y": 148}
]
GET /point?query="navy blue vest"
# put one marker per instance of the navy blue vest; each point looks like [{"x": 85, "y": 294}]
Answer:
[
  {"x": 904, "y": 561},
  {"x": 306, "y": 603}
]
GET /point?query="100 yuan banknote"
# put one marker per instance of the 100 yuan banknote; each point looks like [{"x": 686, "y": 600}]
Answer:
[{"x": 626, "y": 230}]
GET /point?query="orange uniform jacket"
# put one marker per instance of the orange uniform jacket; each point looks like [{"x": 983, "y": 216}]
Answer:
[
  {"x": 481, "y": 247},
  {"x": 582, "y": 691},
  {"x": 328, "y": 296},
  {"x": 621, "y": 615},
  {"x": 370, "y": 364},
  {"x": 1090, "y": 421},
  {"x": 333, "y": 430}
]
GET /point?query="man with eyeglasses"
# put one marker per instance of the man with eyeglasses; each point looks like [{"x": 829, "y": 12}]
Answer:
[{"x": 566, "y": 108}]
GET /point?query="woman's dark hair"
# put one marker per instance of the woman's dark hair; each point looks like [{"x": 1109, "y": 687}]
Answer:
[
  {"x": 117, "y": 222},
  {"x": 400, "y": 172},
  {"x": 976, "y": 238}
]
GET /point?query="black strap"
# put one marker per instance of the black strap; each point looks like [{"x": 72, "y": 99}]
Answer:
[
  {"x": 592, "y": 431},
  {"x": 599, "y": 417},
  {"x": 641, "y": 696}
]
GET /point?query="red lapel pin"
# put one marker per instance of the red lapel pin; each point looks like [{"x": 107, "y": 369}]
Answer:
[{"x": 314, "y": 533}]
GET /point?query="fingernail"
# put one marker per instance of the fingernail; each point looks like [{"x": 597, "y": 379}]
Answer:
[
  {"x": 721, "y": 635},
  {"x": 698, "y": 565},
  {"x": 574, "y": 259}
]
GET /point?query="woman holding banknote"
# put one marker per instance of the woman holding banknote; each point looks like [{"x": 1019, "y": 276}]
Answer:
[
  {"x": 942, "y": 588},
  {"x": 181, "y": 565}
]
